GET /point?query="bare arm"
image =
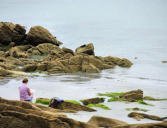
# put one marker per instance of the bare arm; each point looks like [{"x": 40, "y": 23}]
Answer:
[{"x": 29, "y": 92}]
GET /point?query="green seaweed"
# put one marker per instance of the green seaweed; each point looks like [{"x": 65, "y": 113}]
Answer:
[
  {"x": 72, "y": 101},
  {"x": 143, "y": 103},
  {"x": 44, "y": 101},
  {"x": 154, "y": 99},
  {"x": 115, "y": 99},
  {"x": 99, "y": 105},
  {"x": 136, "y": 109},
  {"x": 111, "y": 94},
  {"x": 39, "y": 71}
]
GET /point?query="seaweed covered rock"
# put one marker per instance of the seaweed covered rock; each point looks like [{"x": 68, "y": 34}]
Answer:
[
  {"x": 133, "y": 96},
  {"x": 105, "y": 122},
  {"x": 10, "y": 32},
  {"x": 86, "y": 49},
  {"x": 93, "y": 101},
  {"x": 72, "y": 106},
  {"x": 38, "y": 35},
  {"x": 139, "y": 116}
]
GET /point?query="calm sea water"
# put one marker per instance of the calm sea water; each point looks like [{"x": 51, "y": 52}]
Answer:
[{"x": 123, "y": 28}]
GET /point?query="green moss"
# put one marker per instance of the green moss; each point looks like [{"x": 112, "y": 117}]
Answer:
[
  {"x": 112, "y": 94},
  {"x": 99, "y": 105},
  {"x": 115, "y": 99},
  {"x": 136, "y": 109},
  {"x": 154, "y": 99},
  {"x": 39, "y": 71},
  {"x": 44, "y": 101},
  {"x": 143, "y": 102},
  {"x": 72, "y": 101}
]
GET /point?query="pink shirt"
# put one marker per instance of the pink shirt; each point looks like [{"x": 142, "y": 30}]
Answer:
[{"x": 23, "y": 90}]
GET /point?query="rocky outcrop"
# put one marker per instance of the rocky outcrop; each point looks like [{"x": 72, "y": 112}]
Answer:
[
  {"x": 38, "y": 35},
  {"x": 10, "y": 32},
  {"x": 105, "y": 122},
  {"x": 39, "y": 50},
  {"x": 139, "y": 116},
  {"x": 93, "y": 101},
  {"x": 86, "y": 49},
  {"x": 133, "y": 96},
  {"x": 24, "y": 114}
]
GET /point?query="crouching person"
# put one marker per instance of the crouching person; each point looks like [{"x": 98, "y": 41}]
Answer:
[{"x": 25, "y": 92}]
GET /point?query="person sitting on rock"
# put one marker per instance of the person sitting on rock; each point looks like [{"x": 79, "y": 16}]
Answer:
[{"x": 25, "y": 92}]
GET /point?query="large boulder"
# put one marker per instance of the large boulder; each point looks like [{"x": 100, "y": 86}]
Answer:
[
  {"x": 10, "y": 32},
  {"x": 105, "y": 122},
  {"x": 86, "y": 49},
  {"x": 38, "y": 35},
  {"x": 133, "y": 96}
]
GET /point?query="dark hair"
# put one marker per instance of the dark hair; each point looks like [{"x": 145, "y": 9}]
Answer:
[{"x": 25, "y": 80}]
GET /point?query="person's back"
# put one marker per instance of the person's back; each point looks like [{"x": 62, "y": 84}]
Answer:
[{"x": 24, "y": 91}]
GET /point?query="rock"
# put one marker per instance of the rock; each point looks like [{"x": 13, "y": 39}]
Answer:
[
  {"x": 72, "y": 106},
  {"x": 10, "y": 32},
  {"x": 117, "y": 61},
  {"x": 67, "y": 50},
  {"x": 4, "y": 72},
  {"x": 38, "y": 35},
  {"x": 139, "y": 116},
  {"x": 76, "y": 60},
  {"x": 164, "y": 61},
  {"x": 93, "y": 101},
  {"x": 22, "y": 114},
  {"x": 7, "y": 66},
  {"x": 47, "y": 48},
  {"x": 86, "y": 49},
  {"x": 29, "y": 68},
  {"x": 56, "y": 67},
  {"x": 146, "y": 125},
  {"x": 105, "y": 122},
  {"x": 2, "y": 53},
  {"x": 19, "y": 51},
  {"x": 133, "y": 96},
  {"x": 90, "y": 68}
]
